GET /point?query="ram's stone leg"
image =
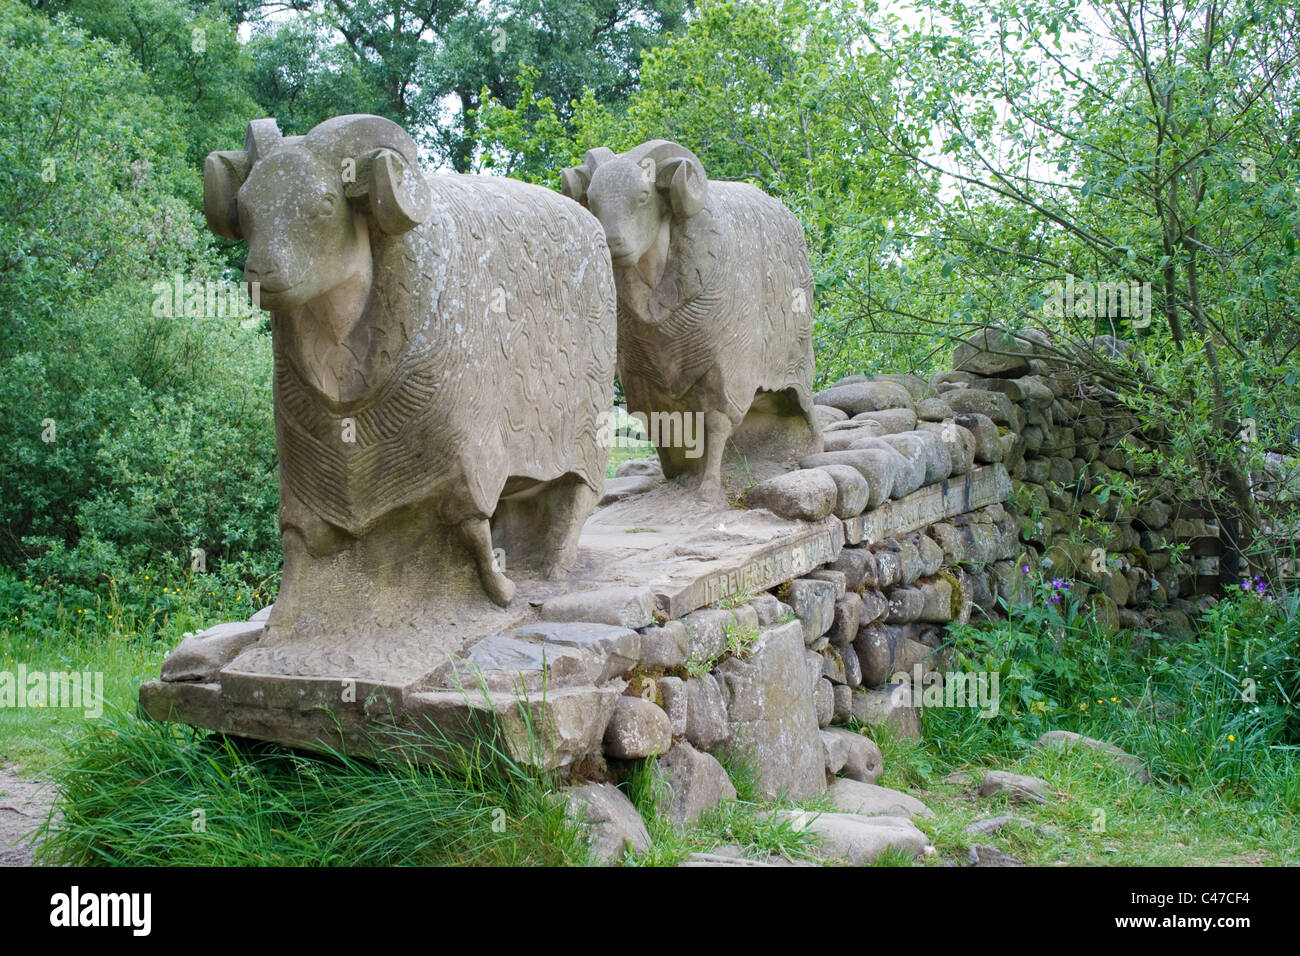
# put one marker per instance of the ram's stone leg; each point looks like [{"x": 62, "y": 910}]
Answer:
[
  {"x": 717, "y": 429},
  {"x": 477, "y": 534},
  {"x": 575, "y": 501}
]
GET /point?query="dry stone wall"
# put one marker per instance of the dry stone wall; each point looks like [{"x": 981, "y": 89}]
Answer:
[{"x": 952, "y": 496}]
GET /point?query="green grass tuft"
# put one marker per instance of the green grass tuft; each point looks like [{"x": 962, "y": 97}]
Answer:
[{"x": 133, "y": 792}]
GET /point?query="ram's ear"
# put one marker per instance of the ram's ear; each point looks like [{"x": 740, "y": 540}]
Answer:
[
  {"x": 391, "y": 191},
  {"x": 574, "y": 182},
  {"x": 682, "y": 177},
  {"x": 223, "y": 173}
]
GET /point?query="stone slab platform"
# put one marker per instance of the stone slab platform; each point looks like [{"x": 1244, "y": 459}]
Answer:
[{"x": 691, "y": 555}]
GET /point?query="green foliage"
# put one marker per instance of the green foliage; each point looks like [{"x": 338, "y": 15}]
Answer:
[
  {"x": 301, "y": 77},
  {"x": 429, "y": 67},
  {"x": 531, "y": 140},
  {"x": 740, "y": 638},
  {"x": 130, "y": 438},
  {"x": 191, "y": 58},
  {"x": 1149, "y": 144},
  {"x": 89, "y": 175},
  {"x": 1219, "y": 709}
]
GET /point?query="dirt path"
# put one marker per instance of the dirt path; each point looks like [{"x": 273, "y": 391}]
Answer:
[{"x": 24, "y": 804}]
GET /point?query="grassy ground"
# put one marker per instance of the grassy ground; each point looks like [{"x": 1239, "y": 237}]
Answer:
[
  {"x": 123, "y": 646},
  {"x": 1099, "y": 815},
  {"x": 135, "y": 793},
  {"x": 620, "y": 453},
  {"x": 36, "y": 738}
]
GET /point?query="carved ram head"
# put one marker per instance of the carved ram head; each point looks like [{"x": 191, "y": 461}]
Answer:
[
  {"x": 634, "y": 193},
  {"x": 305, "y": 204}
]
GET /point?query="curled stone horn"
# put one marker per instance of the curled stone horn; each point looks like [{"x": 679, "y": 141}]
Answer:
[
  {"x": 678, "y": 171},
  {"x": 380, "y": 167},
  {"x": 225, "y": 171},
  {"x": 575, "y": 180}
]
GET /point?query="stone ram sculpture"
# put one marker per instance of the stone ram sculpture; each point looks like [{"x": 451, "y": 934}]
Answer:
[
  {"x": 714, "y": 304},
  {"x": 444, "y": 350}
]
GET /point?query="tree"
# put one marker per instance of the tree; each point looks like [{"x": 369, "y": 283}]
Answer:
[
  {"x": 426, "y": 64},
  {"x": 1127, "y": 142},
  {"x": 129, "y": 437},
  {"x": 191, "y": 58},
  {"x": 302, "y": 78}
]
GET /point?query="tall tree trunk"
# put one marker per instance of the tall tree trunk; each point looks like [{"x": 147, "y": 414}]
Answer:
[
  {"x": 462, "y": 155},
  {"x": 1239, "y": 521}
]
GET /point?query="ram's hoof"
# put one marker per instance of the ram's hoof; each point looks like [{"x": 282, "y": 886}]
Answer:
[
  {"x": 557, "y": 572},
  {"x": 499, "y": 588},
  {"x": 710, "y": 489}
]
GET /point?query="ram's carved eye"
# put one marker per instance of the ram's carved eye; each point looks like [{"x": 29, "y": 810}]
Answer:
[
  {"x": 643, "y": 198},
  {"x": 325, "y": 206}
]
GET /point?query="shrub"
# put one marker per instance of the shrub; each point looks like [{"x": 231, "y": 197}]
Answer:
[{"x": 1219, "y": 708}]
